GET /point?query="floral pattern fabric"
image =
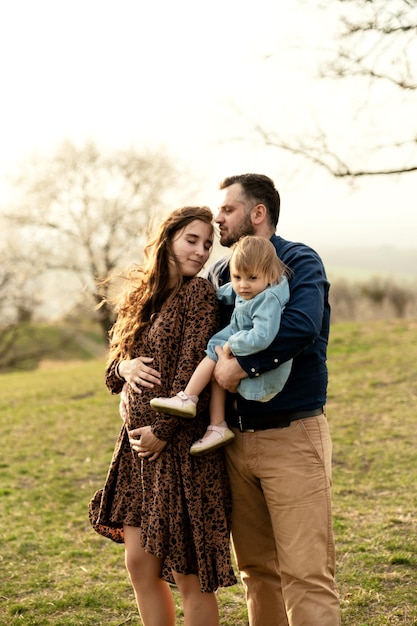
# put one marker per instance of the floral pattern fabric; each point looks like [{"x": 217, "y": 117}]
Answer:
[{"x": 180, "y": 502}]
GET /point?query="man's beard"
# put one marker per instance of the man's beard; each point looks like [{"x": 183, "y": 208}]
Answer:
[{"x": 242, "y": 229}]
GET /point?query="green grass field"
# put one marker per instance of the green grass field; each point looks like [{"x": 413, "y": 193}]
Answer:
[{"x": 58, "y": 427}]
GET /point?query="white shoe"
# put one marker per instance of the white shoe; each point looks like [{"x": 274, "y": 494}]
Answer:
[
  {"x": 180, "y": 405},
  {"x": 218, "y": 436}
]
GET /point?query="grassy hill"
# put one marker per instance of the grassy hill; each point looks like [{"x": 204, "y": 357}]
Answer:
[{"x": 58, "y": 429}]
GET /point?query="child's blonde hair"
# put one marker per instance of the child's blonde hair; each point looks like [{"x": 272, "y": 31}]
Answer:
[{"x": 253, "y": 255}]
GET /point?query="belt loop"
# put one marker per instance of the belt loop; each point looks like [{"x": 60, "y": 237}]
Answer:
[{"x": 244, "y": 430}]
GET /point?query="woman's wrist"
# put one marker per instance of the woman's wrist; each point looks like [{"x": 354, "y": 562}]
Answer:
[{"x": 118, "y": 372}]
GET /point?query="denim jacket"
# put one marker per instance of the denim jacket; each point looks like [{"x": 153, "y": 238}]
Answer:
[{"x": 253, "y": 326}]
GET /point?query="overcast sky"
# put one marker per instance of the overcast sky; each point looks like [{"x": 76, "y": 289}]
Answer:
[{"x": 192, "y": 77}]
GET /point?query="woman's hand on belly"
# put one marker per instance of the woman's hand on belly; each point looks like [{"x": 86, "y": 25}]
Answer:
[
  {"x": 145, "y": 443},
  {"x": 136, "y": 372}
]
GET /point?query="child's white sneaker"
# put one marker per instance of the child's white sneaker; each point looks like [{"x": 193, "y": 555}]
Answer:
[
  {"x": 180, "y": 405},
  {"x": 218, "y": 436}
]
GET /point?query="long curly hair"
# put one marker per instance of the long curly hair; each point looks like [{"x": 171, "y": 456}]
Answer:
[{"x": 148, "y": 286}]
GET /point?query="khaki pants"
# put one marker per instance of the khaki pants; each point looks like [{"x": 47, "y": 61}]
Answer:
[{"x": 282, "y": 523}]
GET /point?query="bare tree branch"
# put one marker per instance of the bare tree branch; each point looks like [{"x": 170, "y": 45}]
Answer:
[
  {"x": 90, "y": 210},
  {"x": 376, "y": 56}
]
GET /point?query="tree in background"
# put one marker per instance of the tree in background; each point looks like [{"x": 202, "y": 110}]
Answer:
[
  {"x": 89, "y": 211},
  {"x": 376, "y": 58},
  {"x": 19, "y": 297}
]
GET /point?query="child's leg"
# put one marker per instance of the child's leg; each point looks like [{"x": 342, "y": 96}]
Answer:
[
  {"x": 217, "y": 403},
  {"x": 184, "y": 404},
  {"x": 201, "y": 377},
  {"x": 218, "y": 433}
]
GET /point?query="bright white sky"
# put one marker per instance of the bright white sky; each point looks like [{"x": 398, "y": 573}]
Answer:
[{"x": 190, "y": 76}]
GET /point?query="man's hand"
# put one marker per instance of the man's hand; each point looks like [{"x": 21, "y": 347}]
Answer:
[{"x": 228, "y": 372}]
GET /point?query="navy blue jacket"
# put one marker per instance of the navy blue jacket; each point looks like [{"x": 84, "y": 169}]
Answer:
[{"x": 303, "y": 334}]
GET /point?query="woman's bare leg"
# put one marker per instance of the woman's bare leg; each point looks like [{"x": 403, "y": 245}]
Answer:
[
  {"x": 153, "y": 595},
  {"x": 200, "y": 609}
]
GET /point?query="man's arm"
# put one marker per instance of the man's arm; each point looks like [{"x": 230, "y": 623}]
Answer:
[{"x": 228, "y": 372}]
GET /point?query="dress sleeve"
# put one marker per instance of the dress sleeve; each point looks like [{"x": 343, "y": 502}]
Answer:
[
  {"x": 113, "y": 383},
  {"x": 199, "y": 318}
]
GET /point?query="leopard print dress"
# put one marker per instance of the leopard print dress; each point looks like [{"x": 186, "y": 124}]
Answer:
[{"x": 181, "y": 503}]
